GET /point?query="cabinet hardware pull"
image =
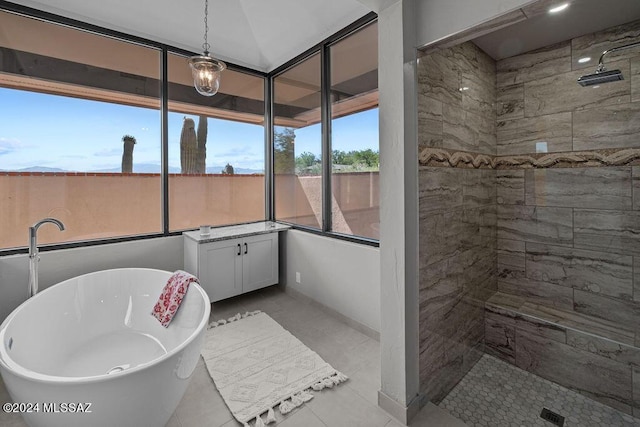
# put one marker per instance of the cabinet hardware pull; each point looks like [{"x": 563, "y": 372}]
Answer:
[
  {"x": 246, "y": 248},
  {"x": 239, "y": 249}
]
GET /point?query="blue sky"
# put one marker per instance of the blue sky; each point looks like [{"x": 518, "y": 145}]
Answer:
[{"x": 81, "y": 135}]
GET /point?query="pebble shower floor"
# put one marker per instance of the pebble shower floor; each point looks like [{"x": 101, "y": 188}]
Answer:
[{"x": 495, "y": 393}]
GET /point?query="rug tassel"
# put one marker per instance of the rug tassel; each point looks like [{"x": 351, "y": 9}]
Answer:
[
  {"x": 245, "y": 425},
  {"x": 318, "y": 386},
  {"x": 271, "y": 416},
  {"x": 296, "y": 400},
  {"x": 286, "y": 407},
  {"x": 259, "y": 422},
  {"x": 305, "y": 396}
]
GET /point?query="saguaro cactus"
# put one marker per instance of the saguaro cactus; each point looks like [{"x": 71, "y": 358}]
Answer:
[
  {"x": 188, "y": 147},
  {"x": 127, "y": 154},
  {"x": 201, "y": 160}
]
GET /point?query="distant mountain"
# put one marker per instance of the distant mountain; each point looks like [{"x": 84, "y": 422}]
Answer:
[
  {"x": 40, "y": 169},
  {"x": 242, "y": 171},
  {"x": 141, "y": 168}
]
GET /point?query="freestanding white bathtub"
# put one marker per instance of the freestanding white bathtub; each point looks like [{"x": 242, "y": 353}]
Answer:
[{"x": 90, "y": 344}]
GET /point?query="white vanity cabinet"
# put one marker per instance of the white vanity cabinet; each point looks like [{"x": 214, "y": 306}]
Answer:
[{"x": 227, "y": 266}]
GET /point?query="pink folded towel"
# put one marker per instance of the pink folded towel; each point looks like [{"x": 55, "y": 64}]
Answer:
[{"x": 171, "y": 296}]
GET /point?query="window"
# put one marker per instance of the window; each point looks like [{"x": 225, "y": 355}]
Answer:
[
  {"x": 216, "y": 150},
  {"x": 355, "y": 160},
  {"x": 353, "y": 142},
  {"x": 82, "y": 137},
  {"x": 297, "y": 144},
  {"x": 79, "y": 133}
]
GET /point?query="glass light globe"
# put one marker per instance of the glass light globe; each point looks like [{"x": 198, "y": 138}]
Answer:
[{"x": 206, "y": 74}]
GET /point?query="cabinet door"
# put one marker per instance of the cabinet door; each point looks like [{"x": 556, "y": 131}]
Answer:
[
  {"x": 260, "y": 262},
  {"x": 220, "y": 268}
]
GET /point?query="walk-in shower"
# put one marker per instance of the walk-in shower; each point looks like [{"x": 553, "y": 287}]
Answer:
[{"x": 602, "y": 75}]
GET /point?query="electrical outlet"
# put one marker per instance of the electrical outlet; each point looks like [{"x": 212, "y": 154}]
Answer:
[{"x": 298, "y": 277}]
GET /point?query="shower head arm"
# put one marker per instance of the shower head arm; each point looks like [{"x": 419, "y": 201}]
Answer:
[{"x": 601, "y": 67}]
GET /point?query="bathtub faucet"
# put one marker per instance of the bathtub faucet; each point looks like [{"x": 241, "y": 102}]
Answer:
[{"x": 34, "y": 258}]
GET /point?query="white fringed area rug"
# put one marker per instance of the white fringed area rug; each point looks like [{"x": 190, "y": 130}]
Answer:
[{"x": 258, "y": 366}]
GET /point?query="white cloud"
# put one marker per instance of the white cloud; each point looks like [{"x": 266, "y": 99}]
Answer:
[{"x": 10, "y": 145}]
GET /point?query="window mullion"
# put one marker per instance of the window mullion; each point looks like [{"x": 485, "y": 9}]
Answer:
[{"x": 325, "y": 103}]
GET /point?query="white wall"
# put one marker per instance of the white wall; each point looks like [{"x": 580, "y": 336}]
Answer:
[
  {"x": 341, "y": 275},
  {"x": 165, "y": 253},
  {"x": 437, "y": 19}
]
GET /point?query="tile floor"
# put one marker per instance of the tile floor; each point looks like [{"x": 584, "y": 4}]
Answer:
[
  {"x": 495, "y": 393},
  {"x": 352, "y": 404}
]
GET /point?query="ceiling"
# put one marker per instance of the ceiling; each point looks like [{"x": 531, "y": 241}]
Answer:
[
  {"x": 258, "y": 34},
  {"x": 544, "y": 29}
]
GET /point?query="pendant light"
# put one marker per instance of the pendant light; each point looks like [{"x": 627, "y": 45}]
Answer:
[{"x": 205, "y": 69}]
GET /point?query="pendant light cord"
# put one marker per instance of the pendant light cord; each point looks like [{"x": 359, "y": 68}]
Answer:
[{"x": 206, "y": 45}]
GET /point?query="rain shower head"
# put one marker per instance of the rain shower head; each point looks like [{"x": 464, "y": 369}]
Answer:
[{"x": 601, "y": 77}]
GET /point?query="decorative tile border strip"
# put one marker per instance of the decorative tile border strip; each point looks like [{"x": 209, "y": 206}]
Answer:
[{"x": 594, "y": 158}]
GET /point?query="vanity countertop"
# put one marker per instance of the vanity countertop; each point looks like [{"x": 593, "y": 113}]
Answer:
[{"x": 236, "y": 231}]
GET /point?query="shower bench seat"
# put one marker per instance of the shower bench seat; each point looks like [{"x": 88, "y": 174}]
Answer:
[{"x": 592, "y": 356}]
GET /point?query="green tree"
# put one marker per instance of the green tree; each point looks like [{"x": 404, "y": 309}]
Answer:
[
  {"x": 367, "y": 157},
  {"x": 127, "y": 153},
  {"x": 305, "y": 160},
  {"x": 283, "y": 151},
  {"x": 228, "y": 170},
  {"x": 201, "y": 138},
  {"x": 188, "y": 147},
  {"x": 339, "y": 157}
]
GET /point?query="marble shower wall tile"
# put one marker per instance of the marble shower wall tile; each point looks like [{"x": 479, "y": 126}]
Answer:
[
  {"x": 439, "y": 78},
  {"x": 635, "y": 174},
  {"x": 607, "y": 230},
  {"x": 603, "y": 347},
  {"x": 596, "y": 188},
  {"x": 635, "y": 378},
  {"x": 510, "y": 102},
  {"x": 457, "y": 242},
  {"x": 535, "y": 224},
  {"x": 636, "y": 278},
  {"x": 511, "y": 259},
  {"x": 478, "y": 187},
  {"x": 612, "y": 309},
  {"x": 560, "y": 93},
  {"x": 521, "y": 136},
  {"x": 510, "y": 186},
  {"x": 534, "y": 65},
  {"x": 467, "y": 131},
  {"x": 536, "y": 292},
  {"x": 500, "y": 336},
  {"x": 439, "y": 189},
  {"x": 593, "y": 44},
  {"x": 597, "y": 272},
  {"x": 429, "y": 121},
  {"x": 635, "y": 79},
  {"x": 541, "y": 328},
  {"x": 600, "y": 378},
  {"x": 612, "y": 126}
]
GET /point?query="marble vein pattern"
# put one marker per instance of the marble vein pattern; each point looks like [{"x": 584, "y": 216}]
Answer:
[
  {"x": 610, "y": 126},
  {"x": 560, "y": 92},
  {"x": 535, "y": 224},
  {"x": 597, "y": 272},
  {"x": 593, "y": 44},
  {"x": 614, "y": 231},
  {"x": 522, "y": 136},
  {"x": 534, "y": 65},
  {"x": 593, "y": 188}
]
